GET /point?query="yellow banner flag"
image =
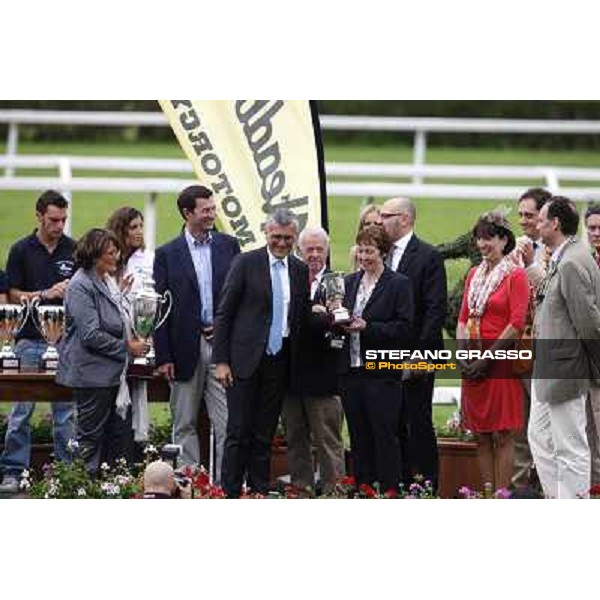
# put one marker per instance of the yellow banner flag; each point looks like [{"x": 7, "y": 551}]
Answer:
[{"x": 256, "y": 156}]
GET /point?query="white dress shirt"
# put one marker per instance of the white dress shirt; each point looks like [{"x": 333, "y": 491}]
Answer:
[{"x": 398, "y": 249}]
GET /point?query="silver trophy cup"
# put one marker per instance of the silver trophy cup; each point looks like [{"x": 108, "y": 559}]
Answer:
[
  {"x": 12, "y": 320},
  {"x": 333, "y": 284},
  {"x": 149, "y": 310},
  {"x": 50, "y": 322}
]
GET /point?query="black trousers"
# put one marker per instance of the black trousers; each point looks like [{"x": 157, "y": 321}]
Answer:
[
  {"x": 103, "y": 436},
  {"x": 372, "y": 406},
  {"x": 254, "y": 406},
  {"x": 417, "y": 434}
]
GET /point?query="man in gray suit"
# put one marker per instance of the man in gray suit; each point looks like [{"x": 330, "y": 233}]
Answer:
[{"x": 567, "y": 331}]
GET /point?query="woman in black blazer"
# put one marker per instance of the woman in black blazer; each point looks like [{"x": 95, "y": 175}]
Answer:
[{"x": 380, "y": 302}]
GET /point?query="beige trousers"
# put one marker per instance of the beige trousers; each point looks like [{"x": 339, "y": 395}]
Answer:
[{"x": 592, "y": 409}]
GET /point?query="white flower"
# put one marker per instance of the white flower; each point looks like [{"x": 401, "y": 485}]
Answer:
[
  {"x": 110, "y": 489},
  {"x": 104, "y": 467},
  {"x": 81, "y": 492},
  {"x": 123, "y": 479},
  {"x": 150, "y": 449},
  {"x": 72, "y": 445},
  {"x": 24, "y": 484},
  {"x": 25, "y": 474},
  {"x": 53, "y": 487}
]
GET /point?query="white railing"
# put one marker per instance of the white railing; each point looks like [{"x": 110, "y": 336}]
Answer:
[
  {"x": 419, "y": 126},
  {"x": 67, "y": 183}
]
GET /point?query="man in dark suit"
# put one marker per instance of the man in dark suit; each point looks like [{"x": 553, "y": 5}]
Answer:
[
  {"x": 265, "y": 301},
  {"x": 312, "y": 412},
  {"x": 193, "y": 268},
  {"x": 423, "y": 265}
]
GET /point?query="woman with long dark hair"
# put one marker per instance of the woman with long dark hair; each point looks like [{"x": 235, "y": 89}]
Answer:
[{"x": 492, "y": 316}]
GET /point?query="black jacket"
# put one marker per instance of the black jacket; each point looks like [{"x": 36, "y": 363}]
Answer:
[
  {"x": 389, "y": 314},
  {"x": 178, "y": 340},
  {"x": 244, "y": 315},
  {"x": 424, "y": 266},
  {"x": 317, "y": 367}
]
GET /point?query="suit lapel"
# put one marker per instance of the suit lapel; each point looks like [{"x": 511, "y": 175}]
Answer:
[
  {"x": 187, "y": 262},
  {"x": 379, "y": 286},
  {"x": 103, "y": 289},
  {"x": 264, "y": 276},
  {"x": 409, "y": 254},
  {"x": 320, "y": 293},
  {"x": 215, "y": 260},
  {"x": 351, "y": 291}
]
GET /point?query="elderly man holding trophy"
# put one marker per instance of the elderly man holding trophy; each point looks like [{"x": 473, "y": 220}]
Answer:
[{"x": 312, "y": 412}]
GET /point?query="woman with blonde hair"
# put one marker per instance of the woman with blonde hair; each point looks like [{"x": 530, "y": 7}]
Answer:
[{"x": 369, "y": 215}]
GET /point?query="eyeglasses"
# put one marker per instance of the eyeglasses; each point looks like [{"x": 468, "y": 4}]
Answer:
[
  {"x": 276, "y": 237},
  {"x": 390, "y": 215}
]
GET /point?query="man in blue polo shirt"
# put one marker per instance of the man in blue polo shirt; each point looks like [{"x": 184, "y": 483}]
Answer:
[{"x": 39, "y": 265}]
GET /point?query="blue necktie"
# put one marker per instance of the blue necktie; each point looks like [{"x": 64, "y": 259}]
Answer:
[{"x": 275, "y": 333}]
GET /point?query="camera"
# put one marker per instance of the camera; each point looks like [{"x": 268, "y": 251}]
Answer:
[
  {"x": 170, "y": 453},
  {"x": 181, "y": 480}
]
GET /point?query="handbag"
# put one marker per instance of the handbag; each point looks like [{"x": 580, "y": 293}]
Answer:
[{"x": 524, "y": 366}]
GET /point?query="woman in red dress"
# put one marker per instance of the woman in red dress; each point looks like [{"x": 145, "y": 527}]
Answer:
[{"x": 493, "y": 314}]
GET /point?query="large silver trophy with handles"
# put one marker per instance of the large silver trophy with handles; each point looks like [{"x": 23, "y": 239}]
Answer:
[
  {"x": 149, "y": 310},
  {"x": 12, "y": 320},
  {"x": 49, "y": 320},
  {"x": 333, "y": 284}
]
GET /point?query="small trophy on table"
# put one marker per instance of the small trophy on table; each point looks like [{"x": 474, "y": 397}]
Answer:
[
  {"x": 50, "y": 322},
  {"x": 149, "y": 310},
  {"x": 333, "y": 285},
  {"x": 12, "y": 320}
]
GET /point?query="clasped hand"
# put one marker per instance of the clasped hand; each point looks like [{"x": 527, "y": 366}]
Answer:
[
  {"x": 357, "y": 324},
  {"x": 474, "y": 370}
]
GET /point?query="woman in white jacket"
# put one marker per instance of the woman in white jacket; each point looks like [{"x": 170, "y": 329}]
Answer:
[{"x": 135, "y": 263}]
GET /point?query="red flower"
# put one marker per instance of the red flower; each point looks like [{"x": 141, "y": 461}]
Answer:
[
  {"x": 367, "y": 490},
  {"x": 349, "y": 481},
  {"x": 595, "y": 490}
]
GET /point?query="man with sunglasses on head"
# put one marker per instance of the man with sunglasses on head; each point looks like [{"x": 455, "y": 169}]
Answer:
[{"x": 531, "y": 254}]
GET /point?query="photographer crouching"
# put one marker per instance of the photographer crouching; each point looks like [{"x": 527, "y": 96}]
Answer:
[{"x": 162, "y": 482}]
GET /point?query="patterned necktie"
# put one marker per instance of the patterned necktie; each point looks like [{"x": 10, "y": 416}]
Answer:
[
  {"x": 275, "y": 333},
  {"x": 598, "y": 259}
]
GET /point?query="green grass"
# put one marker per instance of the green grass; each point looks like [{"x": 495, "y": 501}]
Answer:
[
  {"x": 438, "y": 220},
  {"x": 159, "y": 414}
]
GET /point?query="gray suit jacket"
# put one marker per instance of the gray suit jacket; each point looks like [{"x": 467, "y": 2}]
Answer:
[
  {"x": 93, "y": 350},
  {"x": 567, "y": 329}
]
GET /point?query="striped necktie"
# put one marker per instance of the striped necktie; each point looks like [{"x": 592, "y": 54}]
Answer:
[{"x": 276, "y": 331}]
